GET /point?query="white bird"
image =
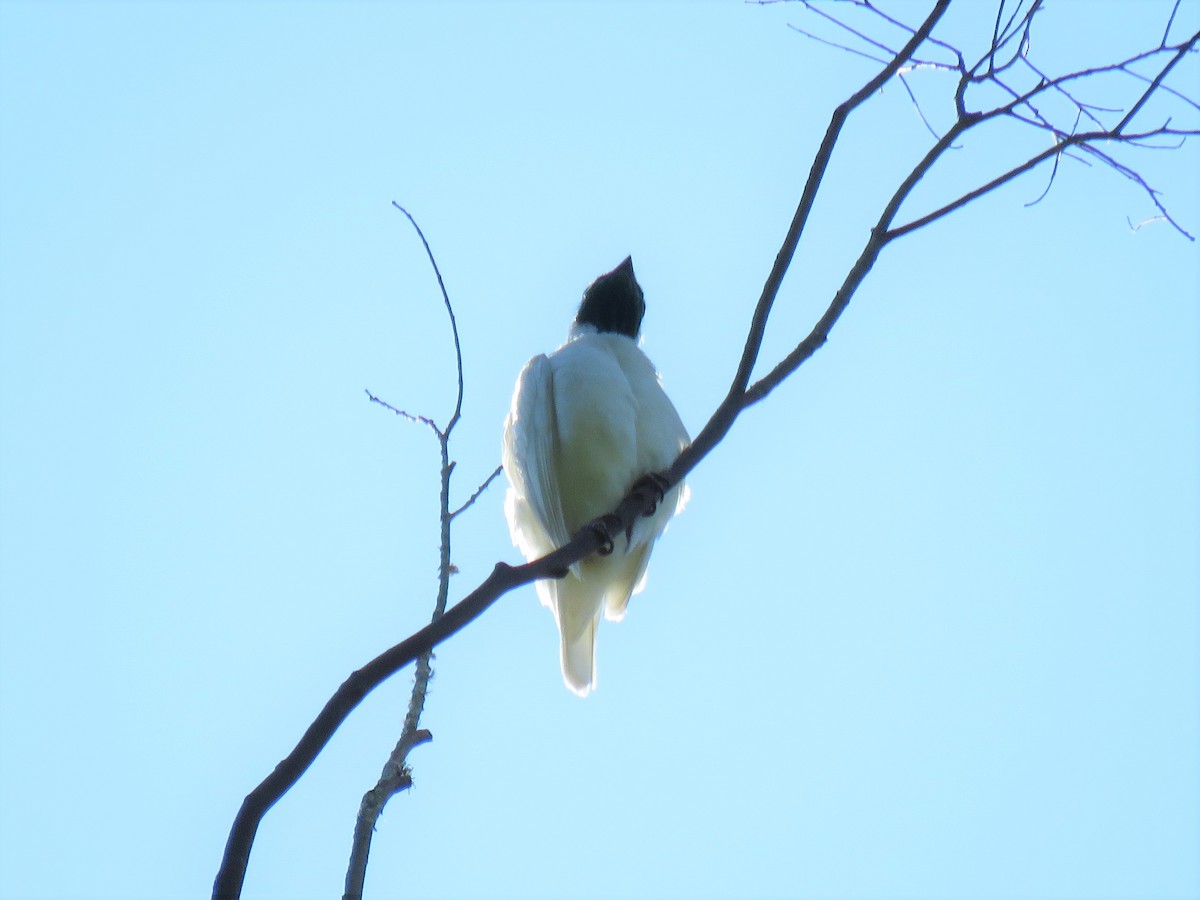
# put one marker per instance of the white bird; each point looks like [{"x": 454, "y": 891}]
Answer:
[{"x": 586, "y": 423}]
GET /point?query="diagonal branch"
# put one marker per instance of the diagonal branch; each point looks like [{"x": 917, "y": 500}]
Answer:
[
  {"x": 816, "y": 174},
  {"x": 740, "y": 395},
  {"x": 478, "y": 491},
  {"x": 354, "y": 689},
  {"x": 878, "y": 239},
  {"x": 1183, "y": 50},
  {"x": 404, "y": 414},
  {"x": 1084, "y": 140},
  {"x": 836, "y": 45}
]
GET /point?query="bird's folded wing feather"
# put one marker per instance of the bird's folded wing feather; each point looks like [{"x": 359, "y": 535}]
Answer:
[{"x": 531, "y": 453}]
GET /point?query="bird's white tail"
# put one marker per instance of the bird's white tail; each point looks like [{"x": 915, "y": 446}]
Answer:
[
  {"x": 578, "y": 604},
  {"x": 578, "y": 658}
]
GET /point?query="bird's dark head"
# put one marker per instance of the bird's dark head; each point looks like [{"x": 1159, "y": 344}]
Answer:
[{"x": 613, "y": 302}]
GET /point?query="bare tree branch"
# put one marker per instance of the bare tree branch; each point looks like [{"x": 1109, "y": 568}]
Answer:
[
  {"x": 504, "y": 577},
  {"x": 449, "y": 312},
  {"x": 479, "y": 490},
  {"x": 929, "y": 39},
  {"x": 421, "y": 420},
  {"x": 354, "y": 689},
  {"x": 1142, "y": 224},
  {"x": 816, "y": 174},
  {"x": 917, "y": 105},
  {"x": 1183, "y": 50},
  {"x": 1049, "y": 183},
  {"x": 1170, "y": 22},
  {"x": 1000, "y": 39},
  {"x": 1011, "y": 36},
  {"x": 878, "y": 45},
  {"x": 396, "y": 775},
  {"x": 836, "y": 45}
]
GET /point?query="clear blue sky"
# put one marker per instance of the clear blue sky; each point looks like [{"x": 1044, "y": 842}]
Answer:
[{"x": 927, "y": 629}]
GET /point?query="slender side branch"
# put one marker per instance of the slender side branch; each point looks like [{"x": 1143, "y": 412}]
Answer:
[
  {"x": 421, "y": 420},
  {"x": 449, "y": 311},
  {"x": 1083, "y": 139},
  {"x": 396, "y": 775},
  {"x": 478, "y": 491},
  {"x": 816, "y": 174},
  {"x": 504, "y": 578},
  {"x": 741, "y": 394},
  {"x": 1184, "y": 49}
]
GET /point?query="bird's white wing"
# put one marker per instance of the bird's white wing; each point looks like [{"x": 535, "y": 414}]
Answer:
[{"x": 530, "y": 457}]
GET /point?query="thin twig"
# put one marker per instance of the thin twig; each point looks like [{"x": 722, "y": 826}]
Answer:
[
  {"x": 396, "y": 775},
  {"x": 1140, "y": 225},
  {"x": 836, "y": 45},
  {"x": 1170, "y": 22},
  {"x": 1049, "y": 184},
  {"x": 421, "y": 420},
  {"x": 449, "y": 311},
  {"x": 917, "y": 105},
  {"x": 1183, "y": 50},
  {"x": 878, "y": 45},
  {"x": 478, "y": 491},
  {"x": 929, "y": 38},
  {"x": 1165, "y": 88},
  {"x": 1085, "y": 109},
  {"x": 816, "y": 174}
]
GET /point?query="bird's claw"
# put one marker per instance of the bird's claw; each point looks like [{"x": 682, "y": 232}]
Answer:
[
  {"x": 603, "y": 528},
  {"x": 652, "y": 488}
]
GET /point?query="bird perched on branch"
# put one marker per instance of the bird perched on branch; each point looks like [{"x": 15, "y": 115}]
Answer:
[{"x": 588, "y": 422}]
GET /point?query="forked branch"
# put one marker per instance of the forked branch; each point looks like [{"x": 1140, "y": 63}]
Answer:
[
  {"x": 1002, "y": 64},
  {"x": 396, "y": 775}
]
